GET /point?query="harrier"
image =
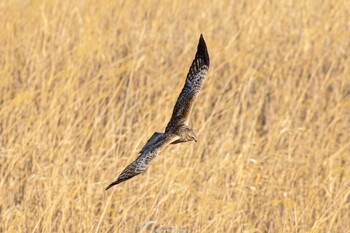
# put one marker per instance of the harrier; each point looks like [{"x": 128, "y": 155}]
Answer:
[{"x": 177, "y": 130}]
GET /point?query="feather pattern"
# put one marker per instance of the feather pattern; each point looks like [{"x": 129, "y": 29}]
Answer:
[
  {"x": 194, "y": 80},
  {"x": 152, "y": 148}
]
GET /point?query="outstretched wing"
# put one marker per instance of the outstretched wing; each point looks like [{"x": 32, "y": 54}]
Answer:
[
  {"x": 152, "y": 148},
  {"x": 195, "y": 77}
]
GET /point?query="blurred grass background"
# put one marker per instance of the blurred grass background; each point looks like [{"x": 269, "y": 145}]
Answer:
[{"x": 84, "y": 84}]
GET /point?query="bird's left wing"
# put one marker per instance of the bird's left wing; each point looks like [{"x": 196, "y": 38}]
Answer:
[{"x": 152, "y": 148}]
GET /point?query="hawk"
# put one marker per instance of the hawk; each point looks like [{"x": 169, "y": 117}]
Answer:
[{"x": 177, "y": 130}]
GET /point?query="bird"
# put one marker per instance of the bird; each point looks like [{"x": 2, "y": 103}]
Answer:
[{"x": 177, "y": 130}]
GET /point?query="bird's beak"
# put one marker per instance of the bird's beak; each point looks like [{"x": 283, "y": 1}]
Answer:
[{"x": 195, "y": 139}]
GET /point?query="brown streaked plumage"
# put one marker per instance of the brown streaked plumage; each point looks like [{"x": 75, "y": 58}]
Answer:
[{"x": 177, "y": 130}]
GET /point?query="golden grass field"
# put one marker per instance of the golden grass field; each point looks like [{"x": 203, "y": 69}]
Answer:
[{"x": 84, "y": 84}]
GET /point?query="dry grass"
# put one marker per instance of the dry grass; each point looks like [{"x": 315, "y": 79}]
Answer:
[{"x": 85, "y": 83}]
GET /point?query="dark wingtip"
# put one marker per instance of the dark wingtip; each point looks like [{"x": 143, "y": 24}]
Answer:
[
  {"x": 114, "y": 183},
  {"x": 110, "y": 186},
  {"x": 202, "y": 51},
  {"x": 118, "y": 181}
]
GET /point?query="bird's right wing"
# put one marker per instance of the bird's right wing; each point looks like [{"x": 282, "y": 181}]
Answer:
[
  {"x": 195, "y": 77},
  {"x": 152, "y": 148}
]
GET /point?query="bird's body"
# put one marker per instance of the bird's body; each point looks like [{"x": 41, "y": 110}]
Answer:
[{"x": 177, "y": 130}]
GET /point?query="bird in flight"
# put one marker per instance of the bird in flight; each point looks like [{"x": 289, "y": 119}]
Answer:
[{"x": 177, "y": 130}]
